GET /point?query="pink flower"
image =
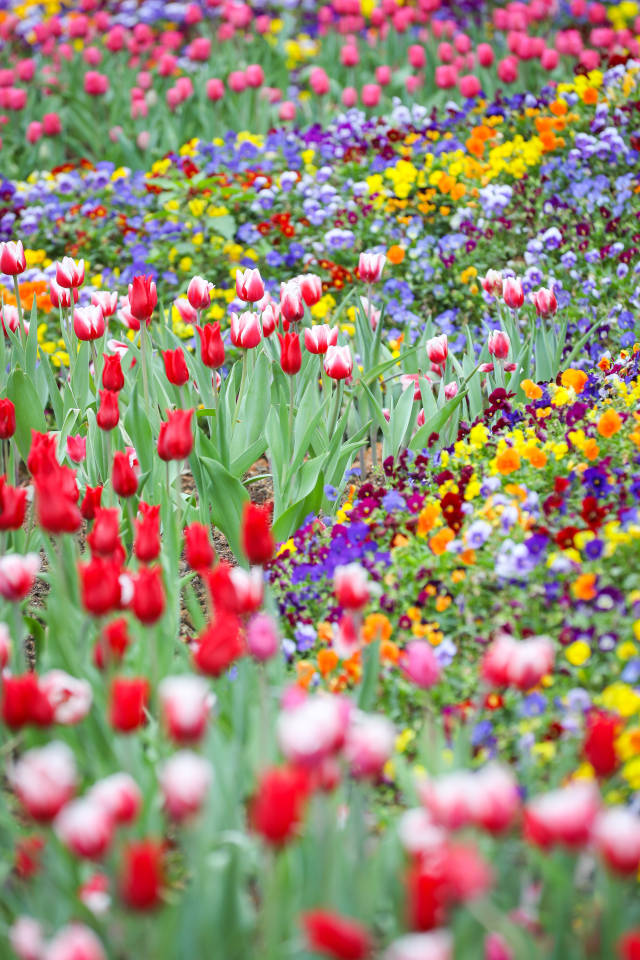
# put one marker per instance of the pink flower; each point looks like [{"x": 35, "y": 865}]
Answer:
[
  {"x": 617, "y": 839},
  {"x": 498, "y": 344},
  {"x": 63, "y": 296},
  {"x": 508, "y": 70},
  {"x": 310, "y": 288},
  {"x": 438, "y": 349},
  {"x": 416, "y": 56},
  {"x": 199, "y": 293},
  {"x": 495, "y": 948},
  {"x": 215, "y": 89},
  {"x": 451, "y": 390},
  {"x": 349, "y": 97},
  {"x": 95, "y": 84},
  {"x": 69, "y": 696},
  {"x": 17, "y": 575},
  {"x": 245, "y": 330},
  {"x": 436, "y": 945},
  {"x": 446, "y": 77},
  {"x": 484, "y": 53},
  {"x": 352, "y": 587},
  {"x": 77, "y": 448},
  {"x": 187, "y": 313},
  {"x": 34, "y": 131},
  {"x": 237, "y": 81},
  {"x": 85, "y": 827},
  {"x": 369, "y": 744},
  {"x": 186, "y": 704},
  {"x": 370, "y": 266},
  {"x": 319, "y": 338},
  {"x": 492, "y": 283},
  {"x": 545, "y": 302},
  {"x": 269, "y": 318},
  {"x": 565, "y": 816},
  {"x": 287, "y": 110},
  {"x": 119, "y": 795},
  {"x": 469, "y": 86},
  {"x": 75, "y": 942},
  {"x": 184, "y": 780},
  {"x": 26, "y": 938},
  {"x": 371, "y": 94},
  {"x": 108, "y": 302},
  {"x": 338, "y": 362},
  {"x": 11, "y": 319},
  {"x": 291, "y": 302},
  {"x": 44, "y": 779},
  {"x": 249, "y": 285},
  {"x": 88, "y": 323},
  {"x": 517, "y": 663},
  {"x": 262, "y": 637},
  {"x": 254, "y": 75},
  {"x": 319, "y": 81},
  {"x": 314, "y": 729},
  {"x": 420, "y": 664},
  {"x": 512, "y": 293},
  {"x": 383, "y": 75},
  {"x": 69, "y": 273},
  {"x": 12, "y": 258}
]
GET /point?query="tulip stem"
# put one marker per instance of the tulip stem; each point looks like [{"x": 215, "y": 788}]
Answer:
[
  {"x": 242, "y": 379},
  {"x": 16, "y": 287},
  {"x": 145, "y": 375},
  {"x": 336, "y": 408},
  {"x": 292, "y": 400}
]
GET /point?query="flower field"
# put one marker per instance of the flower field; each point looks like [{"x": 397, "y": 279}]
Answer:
[{"x": 320, "y": 480}]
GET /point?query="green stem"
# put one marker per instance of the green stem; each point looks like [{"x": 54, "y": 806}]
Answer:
[
  {"x": 145, "y": 373},
  {"x": 16, "y": 287},
  {"x": 242, "y": 379},
  {"x": 336, "y": 408},
  {"x": 292, "y": 400}
]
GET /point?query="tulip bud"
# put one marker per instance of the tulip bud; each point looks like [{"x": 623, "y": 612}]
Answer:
[
  {"x": 88, "y": 323},
  {"x": 186, "y": 703},
  {"x": 545, "y": 302},
  {"x": 108, "y": 414},
  {"x": 142, "y": 298},
  {"x": 12, "y": 258},
  {"x": 438, "y": 349},
  {"x": 175, "y": 440},
  {"x": 310, "y": 288},
  {"x": 291, "y": 302},
  {"x": 370, "y": 266},
  {"x": 75, "y": 942},
  {"x": 148, "y": 595},
  {"x": 245, "y": 330},
  {"x": 69, "y": 273},
  {"x": 7, "y": 419},
  {"x": 512, "y": 293},
  {"x": 44, "y": 779},
  {"x": 249, "y": 285},
  {"x": 498, "y": 344},
  {"x": 369, "y": 744},
  {"x": 492, "y": 283},
  {"x": 420, "y": 664},
  {"x": 142, "y": 874},
  {"x": 146, "y": 545},
  {"x": 199, "y": 552},
  {"x": 199, "y": 293},
  {"x": 338, "y": 362},
  {"x": 185, "y": 779},
  {"x": 211, "y": 345},
  {"x": 112, "y": 375},
  {"x": 257, "y": 539},
  {"x": 262, "y": 637},
  {"x": 123, "y": 476},
  {"x": 290, "y": 356},
  {"x": 351, "y": 586},
  {"x": 128, "y": 701},
  {"x": 175, "y": 366},
  {"x": 104, "y": 538},
  {"x": 86, "y": 828},
  {"x": 319, "y": 338}
]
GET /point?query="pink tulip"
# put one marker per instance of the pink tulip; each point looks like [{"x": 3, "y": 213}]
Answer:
[
  {"x": 412, "y": 84},
  {"x": 186, "y": 704},
  {"x": 590, "y": 59},
  {"x": 26, "y": 938},
  {"x": 451, "y": 390},
  {"x": 92, "y": 56},
  {"x": 185, "y": 779},
  {"x": 512, "y": 293},
  {"x": 517, "y": 663},
  {"x": 349, "y": 56},
  {"x": 438, "y": 349},
  {"x": 319, "y": 338},
  {"x": 319, "y": 81},
  {"x": 263, "y": 642},
  {"x": 249, "y": 285},
  {"x": 44, "y": 779},
  {"x": 383, "y": 75},
  {"x": 12, "y": 258},
  {"x": 563, "y": 817},
  {"x": 69, "y": 273},
  {"x": 495, "y": 948},
  {"x": 545, "y": 302},
  {"x": 446, "y": 77},
  {"x": 436, "y": 945},
  {"x": 254, "y": 75},
  {"x": 492, "y": 283},
  {"x": 184, "y": 87},
  {"x": 291, "y": 302},
  {"x": 287, "y": 110},
  {"x": 245, "y": 330},
  {"x": 370, "y": 266},
  {"x": 75, "y": 942},
  {"x": 70, "y": 697},
  {"x": 215, "y": 89},
  {"x": 26, "y": 70},
  {"x": 85, "y": 828},
  {"x": 484, "y": 53},
  {"x": 349, "y": 97},
  {"x": 508, "y": 70},
  {"x": 88, "y": 323},
  {"x": 416, "y": 56},
  {"x": 95, "y": 84},
  {"x": 17, "y": 575},
  {"x": 51, "y": 124},
  {"x": 119, "y": 795},
  {"x": 187, "y": 313},
  {"x": 199, "y": 293},
  {"x": 237, "y": 81},
  {"x": 469, "y": 86},
  {"x": 199, "y": 49},
  {"x": 338, "y": 362},
  {"x": 445, "y": 52},
  {"x": 370, "y": 94},
  {"x": 369, "y": 744},
  {"x": 313, "y": 729},
  {"x": 6, "y": 77},
  {"x": 34, "y": 131},
  {"x": 617, "y": 839},
  {"x": 420, "y": 664}
]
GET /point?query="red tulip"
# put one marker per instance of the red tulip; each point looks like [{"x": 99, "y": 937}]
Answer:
[
  {"x": 319, "y": 338},
  {"x": 175, "y": 366},
  {"x": 290, "y": 356},
  {"x": 175, "y": 441},
  {"x": 310, "y": 288},
  {"x": 57, "y": 508},
  {"x": 7, "y": 419},
  {"x": 128, "y": 700},
  {"x": 69, "y": 273},
  {"x": 142, "y": 298},
  {"x": 77, "y": 448},
  {"x": 246, "y": 332},
  {"x": 44, "y": 779},
  {"x": 108, "y": 302},
  {"x": 142, "y": 874},
  {"x": 108, "y": 413},
  {"x": 219, "y": 645},
  {"x": 148, "y": 595},
  {"x": 112, "y": 644},
  {"x": 492, "y": 283},
  {"x": 599, "y": 745},
  {"x": 338, "y": 363},
  {"x": 498, "y": 344},
  {"x": 545, "y": 302},
  {"x": 24, "y": 702},
  {"x": 146, "y": 545},
  {"x": 104, "y": 538},
  {"x": 257, "y": 539},
  {"x": 88, "y": 323},
  {"x": 211, "y": 345},
  {"x": 100, "y": 585},
  {"x": 199, "y": 552},
  {"x": 336, "y": 936},
  {"x": 112, "y": 375},
  {"x": 512, "y": 293},
  {"x": 278, "y": 804},
  {"x": 12, "y": 258},
  {"x": 124, "y": 477},
  {"x": 13, "y": 505},
  {"x": 91, "y": 502}
]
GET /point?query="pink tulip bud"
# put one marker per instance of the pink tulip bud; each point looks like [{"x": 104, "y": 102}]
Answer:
[
  {"x": 12, "y": 258},
  {"x": 338, "y": 362},
  {"x": 95, "y": 84},
  {"x": 199, "y": 293},
  {"x": 186, "y": 704},
  {"x": 492, "y": 283},
  {"x": 451, "y": 390},
  {"x": 35, "y": 131},
  {"x": 75, "y": 942},
  {"x": 85, "y": 827},
  {"x": 313, "y": 729},
  {"x": 199, "y": 49},
  {"x": 349, "y": 97},
  {"x": 185, "y": 780},
  {"x": 498, "y": 344},
  {"x": 369, "y": 744},
  {"x": 319, "y": 81},
  {"x": 446, "y": 77},
  {"x": 215, "y": 89},
  {"x": 420, "y": 664},
  {"x": 319, "y": 338},
  {"x": 69, "y": 273},
  {"x": 249, "y": 285},
  {"x": 445, "y": 52},
  {"x": 508, "y": 70},
  {"x": 495, "y": 948},
  {"x": 469, "y": 86},
  {"x": 88, "y": 323},
  {"x": 617, "y": 839},
  {"x": 370, "y": 266},
  {"x": 119, "y": 795},
  {"x": 44, "y": 779},
  {"x": 26, "y": 938},
  {"x": 237, "y": 81},
  {"x": 254, "y": 75},
  {"x": 370, "y": 94},
  {"x": 512, "y": 293},
  {"x": 262, "y": 637},
  {"x": 438, "y": 349},
  {"x": 287, "y": 110},
  {"x": 545, "y": 302},
  {"x": 246, "y": 332},
  {"x": 484, "y": 53},
  {"x": 26, "y": 70},
  {"x": 349, "y": 56},
  {"x": 383, "y": 75}
]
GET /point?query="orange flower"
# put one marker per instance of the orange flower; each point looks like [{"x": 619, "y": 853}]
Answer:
[
  {"x": 508, "y": 461},
  {"x": 376, "y": 625},
  {"x": 591, "y": 450},
  {"x": 325, "y": 632},
  {"x": 575, "y": 379},
  {"x": 395, "y": 254},
  {"x": 609, "y": 423},
  {"x": 590, "y": 96},
  {"x": 537, "y": 457},
  {"x": 427, "y": 518},
  {"x": 459, "y": 575},
  {"x": 305, "y": 670},
  {"x": 400, "y": 540},
  {"x": 439, "y": 541},
  {"x": 442, "y": 603},
  {"x": 327, "y": 661},
  {"x": 389, "y": 651},
  {"x": 531, "y": 390},
  {"x": 558, "y": 108},
  {"x": 468, "y": 557},
  {"x": 584, "y": 587}
]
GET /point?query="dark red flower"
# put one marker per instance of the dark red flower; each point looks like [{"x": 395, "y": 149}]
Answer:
[
  {"x": 599, "y": 746},
  {"x": 104, "y": 538},
  {"x": 278, "y": 804},
  {"x": 211, "y": 345},
  {"x": 91, "y": 502},
  {"x": 112, "y": 375},
  {"x": 100, "y": 585},
  {"x": 175, "y": 366},
  {"x": 123, "y": 475},
  {"x": 175, "y": 441},
  {"x": 199, "y": 552},
  {"x": 146, "y": 545},
  {"x": 142, "y": 874},
  {"x": 219, "y": 645},
  {"x": 13, "y": 505},
  {"x": 108, "y": 413},
  {"x": 257, "y": 539},
  {"x": 128, "y": 700},
  {"x": 143, "y": 298},
  {"x": 7, "y": 419},
  {"x": 148, "y": 595},
  {"x": 336, "y": 936}
]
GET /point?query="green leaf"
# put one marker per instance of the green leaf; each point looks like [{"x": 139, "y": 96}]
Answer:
[
  {"x": 226, "y": 499},
  {"x": 367, "y": 694},
  {"x": 29, "y": 412},
  {"x": 290, "y": 520},
  {"x": 437, "y": 422}
]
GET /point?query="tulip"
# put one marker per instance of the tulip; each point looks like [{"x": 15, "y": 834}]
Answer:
[
  {"x": 617, "y": 839},
  {"x": 23, "y": 700},
  {"x": 549, "y": 59},
  {"x": 11, "y": 318},
  {"x": 518, "y": 663},
  {"x": 184, "y": 780},
  {"x": 287, "y": 110},
  {"x": 7, "y": 418},
  {"x": 262, "y": 637},
  {"x": 349, "y": 97},
  {"x": 446, "y": 77},
  {"x": 599, "y": 747},
  {"x": 90, "y": 502},
  {"x": 35, "y": 131},
  {"x": 420, "y": 664},
  {"x": 112, "y": 644},
  {"x": 85, "y": 828},
  {"x": 290, "y": 356},
  {"x": 146, "y": 545},
  {"x": 495, "y": 948},
  {"x": 269, "y": 319},
  {"x": 469, "y": 86},
  {"x": 249, "y": 285},
  {"x": 12, "y": 258},
  {"x": 175, "y": 366},
  {"x": 319, "y": 338},
  {"x": 185, "y": 702},
  {"x": 188, "y": 314},
  {"x": 545, "y": 302},
  {"x": 278, "y": 804},
  {"x": 508, "y": 70},
  {"x": 128, "y": 701},
  {"x": 119, "y": 795},
  {"x": 257, "y": 539},
  {"x": 69, "y": 273},
  {"x": 142, "y": 298},
  {"x": 311, "y": 731},
  {"x": 70, "y": 697},
  {"x": 436, "y": 945},
  {"x": 383, "y": 75},
  {"x": 498, "y": 344},
  {"x": 95, "y": 84},
  {"x": 75, "y": 942},
  {"x": 199, "y": 552},
  {"x": 142, "y": 874},
  {"x": 104, "y": 538},
  {"x": 44, "y": 779},
  {"x": 148, "y": 595},
  {"x": 369, "y": 744},
  {"x": 563, "y": 817},
  {"x": 17, "y": 575},
  {"x": 26, "y": 938},
  {"x": 211, "y": 345},
  {"x": 199, "y": 293},
  {"x": 351, "y": 586},
  {"x": 349, "y": 56},
  {"x": 100, "y": 585},
  {"x": 108, "y": 414},
  {"x": 88, "y": 323},
  {"x": 492, "y": 283},
  {"x": 112, "y": 375},
  {"x": 175, "y": 440},
  {"x": 13, "y": 506},
  {"x": 371, "y": 94},
  {"x": 484, "y": 52},
  {"x": 219, "y": 645},
  {"x": 108, "y": 302},
  {"x": 319, "y": 81},
  {"x": 291, "y": 302},
  {"x": 310, "y": 288},
  {"x": 237, "y": 81},
  {"x": 438, "y": 349},
  {"x": 512, "y": 293},
  {"x": 338, "y": 362},
  {"x": 123, "y": 475},
  {"x": 245, "y": 330},
  {"x": 254, "y": 75},
  {"x": 451, "y": 390},
  {"x": 333, "y": 935},
  {"x": 370, "y": 266},
  {"x": 215, "y": 89}
]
